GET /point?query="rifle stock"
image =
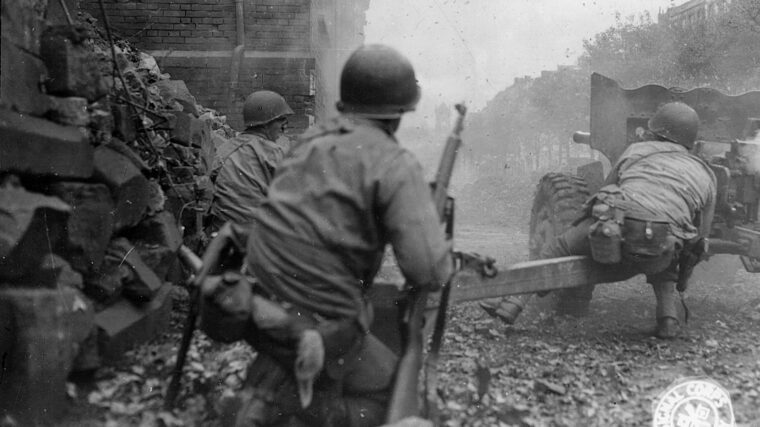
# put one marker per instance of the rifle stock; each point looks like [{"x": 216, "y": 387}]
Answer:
[
  {"x": 405, "y": 398},
  {"x": 201, "y": 269}
]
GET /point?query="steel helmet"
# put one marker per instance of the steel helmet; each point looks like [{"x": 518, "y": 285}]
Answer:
[
  {"x": 378, "y": 82},
  {"x": 675, "y": 122},
  {"x": 263, "y": 106}
]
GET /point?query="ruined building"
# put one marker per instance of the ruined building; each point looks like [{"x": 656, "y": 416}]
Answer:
[
  {"x": 294, "y": 47},
  {"x": 105, "y": 151}
]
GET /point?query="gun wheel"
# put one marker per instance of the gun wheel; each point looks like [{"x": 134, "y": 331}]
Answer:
[{"x": 558, "y": 202}]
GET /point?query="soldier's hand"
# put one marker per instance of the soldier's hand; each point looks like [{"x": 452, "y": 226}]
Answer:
[{"x": 226, "y": 306}]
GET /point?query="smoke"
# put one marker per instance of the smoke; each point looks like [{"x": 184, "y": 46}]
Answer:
[{"x": 750, "y": 151}]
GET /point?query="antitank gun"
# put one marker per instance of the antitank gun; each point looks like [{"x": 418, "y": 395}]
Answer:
[
  {"x": 619, "y": 117},
  {"x": 726, "y": 140}
]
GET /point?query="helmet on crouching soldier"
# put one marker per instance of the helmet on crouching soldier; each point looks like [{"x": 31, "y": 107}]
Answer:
[
  {"x": 675, "y": 122},
  {"x": 378, "y": 82},
  {"x": 264, "y": 106}
]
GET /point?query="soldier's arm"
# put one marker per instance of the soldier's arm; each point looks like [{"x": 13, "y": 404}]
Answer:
[{"x": 413, "y": 226}]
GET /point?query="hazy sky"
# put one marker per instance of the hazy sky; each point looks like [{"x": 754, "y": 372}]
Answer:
[{"x": 471, "y": 49}]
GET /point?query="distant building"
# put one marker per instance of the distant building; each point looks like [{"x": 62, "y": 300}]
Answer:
[{"x": 693, "y": 12}]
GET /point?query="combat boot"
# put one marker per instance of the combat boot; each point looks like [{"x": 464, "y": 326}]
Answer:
[
  {"x": 505, "y": 309},
  {"x": 666, "y": 311}
]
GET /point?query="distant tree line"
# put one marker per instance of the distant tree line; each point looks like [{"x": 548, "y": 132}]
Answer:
[{"x": 528, "y": 125}]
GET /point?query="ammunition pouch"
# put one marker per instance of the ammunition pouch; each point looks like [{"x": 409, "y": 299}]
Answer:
[
  {"x": 648, "y": 246},
  {"x": 605, "y": 235}
]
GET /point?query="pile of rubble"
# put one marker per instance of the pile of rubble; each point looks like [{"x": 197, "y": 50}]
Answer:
[{"x": 104, "y": 172}]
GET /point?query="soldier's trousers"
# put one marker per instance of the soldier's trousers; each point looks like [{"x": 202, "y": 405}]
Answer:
[
  {"x": 350, "y": 392},
  {"x": 575, "y": 241}
]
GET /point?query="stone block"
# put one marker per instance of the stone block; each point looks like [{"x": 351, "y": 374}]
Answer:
[
  {"x": 88, "y": 358},
  {"x": 159, "y": 229},
  {"x": 23, "y": 22},
  {"x": 176, "y": 90},
  {"x": 190, "y": 131},
  {"x": 72, "y": 67},
  {"x": 29, "y": 145},
  {"x": 124, "y": 124},
  {"x": 101, "y": 121},
  {"x": 129, "y": 188},
  {"x": 22, "y": 91},
  {"x": 106, "y": 282},
  {"x": 90, "y": 224},
  {"x": 140, "y": 282},
  {"x": 120, "y": 147},
  {"x": 71, "y": 111},
  {"x": 125, "y": 324},
  {"x": 42, "y": 330},
  {"x": 160, "y": 259},
  {"x": 30, "y": 225},
  {"x": 53, "y": 271}
]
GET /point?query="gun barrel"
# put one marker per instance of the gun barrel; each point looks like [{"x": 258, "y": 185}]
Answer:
[
  {"x": 190, "y": 259},
  {"x": 582, "y": 137}
]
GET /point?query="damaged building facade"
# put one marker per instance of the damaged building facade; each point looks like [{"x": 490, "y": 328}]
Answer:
[
  {"x": 225, "y": 49},
  {"x": 105, "y": 151}
]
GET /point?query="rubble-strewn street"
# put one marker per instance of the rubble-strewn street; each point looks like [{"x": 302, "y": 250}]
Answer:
[{"x": 602, "y": 370}]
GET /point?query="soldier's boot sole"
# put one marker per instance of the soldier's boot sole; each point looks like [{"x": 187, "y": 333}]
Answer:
[{"x": 507, "y": 310}]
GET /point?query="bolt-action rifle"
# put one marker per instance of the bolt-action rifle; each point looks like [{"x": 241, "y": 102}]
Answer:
[
  {"x": 405, "y": 398},
  {"x": 201, "y": 269}
]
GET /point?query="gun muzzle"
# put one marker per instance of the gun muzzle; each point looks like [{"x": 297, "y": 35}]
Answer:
[
  {"x": 190, "y": 259},
  {"x": 582, "y": 137}
]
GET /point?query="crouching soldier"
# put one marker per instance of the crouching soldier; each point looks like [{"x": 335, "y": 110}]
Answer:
[
  {"x": 245, "y": 165},
  {"x": 346, "y": 190},
  {"x": 659, "y": 200}
]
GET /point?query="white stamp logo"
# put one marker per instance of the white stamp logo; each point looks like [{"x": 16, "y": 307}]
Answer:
[{"x": 694, "y": 402}]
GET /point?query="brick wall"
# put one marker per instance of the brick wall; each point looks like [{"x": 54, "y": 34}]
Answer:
[
  {"x": 208, "y": 79},
  {"x": 273, "y": 25},
  {"x": 294, "y": 47},
  {"x": 193, "y": 39}
]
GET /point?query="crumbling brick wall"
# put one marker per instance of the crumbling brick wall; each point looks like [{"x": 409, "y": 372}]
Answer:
[
  {"x": 193, "y": 40},
  {"x": 270, "y": 25},
  {"x": 208, "y": 78}
]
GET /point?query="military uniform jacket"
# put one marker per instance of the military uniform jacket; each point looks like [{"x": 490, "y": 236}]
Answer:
[
  {"x": 345, "y": 191},
  {"x": 246, "y": 166},
  {"x": 662, "y": 180}
]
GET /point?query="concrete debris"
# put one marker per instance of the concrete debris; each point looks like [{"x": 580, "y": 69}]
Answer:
[
  {"x": 124, "y": 125},
  {"x": 29, "y": 145},
  {"x": 72, "y": 68},
  {"x": 90, "y": 224},
  {"x": 160, "y": 229},
  {"x": 140, "y": 283},
  {"x": 124, "y": 324},
  {"x": 43, "y": 329},
  {"x": 129, "y": 187},
  {"x": 190, "y": 131},
  {"x": 30, "y": 226},
  {"x": 71, "y": 111},
  {"x": 53, "y": 271},
  {"x": 22, "y": 92},
  {"x": 176, "y": 90},
  {"x": 114, "y": 175}
]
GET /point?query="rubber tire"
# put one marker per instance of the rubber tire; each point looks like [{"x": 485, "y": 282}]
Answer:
[{"x": 557, "y": 204}]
